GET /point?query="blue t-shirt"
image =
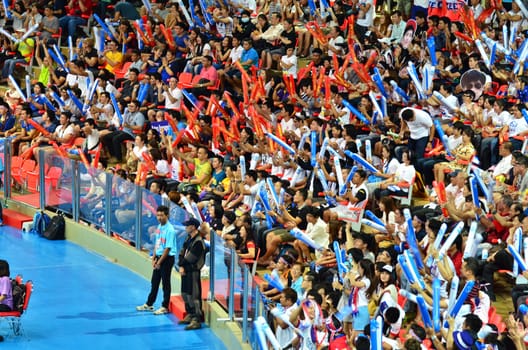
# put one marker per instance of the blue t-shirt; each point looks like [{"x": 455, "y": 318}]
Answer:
[
  {"x": 252, "y": 55},
  {"x": 8, "y": 123},
  {"x": 179, "y": 41},
  {"x": 165, "y": 238}
]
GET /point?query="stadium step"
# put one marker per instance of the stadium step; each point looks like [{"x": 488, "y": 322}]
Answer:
[
  {"x": 15, "y": 219},
  {"x": 177, "y": 305}
]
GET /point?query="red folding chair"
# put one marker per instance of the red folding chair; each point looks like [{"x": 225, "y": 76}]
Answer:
[{"x": 13, "y": 317}]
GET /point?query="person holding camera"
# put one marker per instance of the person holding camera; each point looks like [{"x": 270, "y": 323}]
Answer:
[{"x": 170, "y": 94}]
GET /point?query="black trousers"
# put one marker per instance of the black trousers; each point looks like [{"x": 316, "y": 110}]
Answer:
[
  {"x": 191, "y": 290},
  {"x": 503, "y": 261},
  {"x": 163, "y": 274},
  {"x": 4, "y": 308},
  {"x": 113, "y": 141}
]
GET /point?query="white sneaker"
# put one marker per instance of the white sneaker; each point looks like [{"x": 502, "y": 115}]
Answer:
[
  {"x": 144, "y": 307},
  {"x": 161, "y": 311}
]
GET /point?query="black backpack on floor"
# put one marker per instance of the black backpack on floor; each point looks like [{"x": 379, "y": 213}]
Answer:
[{"x": 56, "y": 228}]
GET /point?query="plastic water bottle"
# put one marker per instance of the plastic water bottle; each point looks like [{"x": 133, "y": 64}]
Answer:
[{"x": 485, "y": 254}]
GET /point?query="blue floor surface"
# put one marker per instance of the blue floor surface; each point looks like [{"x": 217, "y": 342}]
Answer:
[{"x": 82, "y": 301}]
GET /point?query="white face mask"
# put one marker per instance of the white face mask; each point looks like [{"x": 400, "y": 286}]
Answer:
[{"x": 244, "y": 19}]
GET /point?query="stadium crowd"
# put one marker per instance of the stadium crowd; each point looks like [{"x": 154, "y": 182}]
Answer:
[{"x": 370, "y": 154}]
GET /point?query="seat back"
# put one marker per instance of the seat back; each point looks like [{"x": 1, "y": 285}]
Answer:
[
  {"x": 28, "y": 165},
  {"x": 406, "y": 200},
  {"x": 120, "y": 72},
  {"x": 54, "y": 174},
  {"x": 29, "y": 290},
  {"x": 253, "y": 262},
  {"x": 16, "y": 162},
  {"x": 185, "y": 80}
]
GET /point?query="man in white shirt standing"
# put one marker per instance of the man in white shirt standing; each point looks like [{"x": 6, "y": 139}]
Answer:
[{"x": 421, "y": 127}]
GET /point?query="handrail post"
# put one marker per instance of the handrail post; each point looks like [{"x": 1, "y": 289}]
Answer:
[
  {"x": 245, "y": 300},
  {"x": 42, "y": 179},
  {"x": 7, "y": 165},
  {"x": 76, "y": 189},
  {"x": 108, "y": 203},
  {"x": 212, "y": 245},
  {"x": 139, "y": 213},
  {"x": 232, "y": 274}
]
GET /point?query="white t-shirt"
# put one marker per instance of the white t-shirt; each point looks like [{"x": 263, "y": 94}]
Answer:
[
  {"x": 362, "y": 299},
  {"x": 177, "y": 94},
  {"x": 318, "y": 233},
  {"x": 138, "y": 152},
  {"x": 92, "y": 140},
  {"x": 502, "y": 119},
  {"x": 421, "y": 125},
  {"x": 236, "y": 53},
  {"x": 366, "y": 19},
  {"x": 336, "y": 44},
  {"x": 405, "y": 173},
  {"x": 516, "y": 126},
  {"x": 287, "y": 125},
  {"x": 503, "y": 166},
  {"x": 286, "y": 335},
  {"x": 290, "y": 60},
  {"x": 446, "y": 112}
]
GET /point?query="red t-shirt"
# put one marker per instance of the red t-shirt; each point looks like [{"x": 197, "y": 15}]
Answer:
[{"x": 75, "y": 9}]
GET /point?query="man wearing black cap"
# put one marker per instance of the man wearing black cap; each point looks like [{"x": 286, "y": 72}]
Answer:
[
  {"x": 190, "y": 261},
  {"x": 162, "y": 262}
]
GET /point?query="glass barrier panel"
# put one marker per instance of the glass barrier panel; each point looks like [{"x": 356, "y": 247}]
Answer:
[
  {"x": 222, "y": 268},
  {"x": 124, "y": 208},
  {"x": 256, "y": 308},
  {"x": 24, "y": 176},
  {"x": 92, "y": 205},
  {"x": 59, "y": 173},
  {"x": 176, "y": 217},
  {"x": 149, "y": 222}
]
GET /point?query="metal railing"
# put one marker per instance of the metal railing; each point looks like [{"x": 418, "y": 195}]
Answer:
[{"x": 126, "y": 211}]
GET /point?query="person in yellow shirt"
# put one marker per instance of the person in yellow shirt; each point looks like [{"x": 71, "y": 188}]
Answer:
[
  {"x": 23, "y": 49},
  {"x": 202, "y": 170},
  {"x": 112, "y": 58}
]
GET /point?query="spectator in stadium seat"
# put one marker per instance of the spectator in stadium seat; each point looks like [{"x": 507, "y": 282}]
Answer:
[
  {"x": 202, "y": 169},
  {"x": 133, "y": 121},
  {"x": 208, "y": 77},
  {"x": 6, "y": 297},
  {"x": 23, "y": 52},
  {"x": 248, "y": 59},
  {"x": 78, "y": 13},
  {"x": 25, "y": 133},
  {"x": 112, "y": 57},
  {"x": 64, "y": 134},
  {"x": 130, "y": 86},
  {"x": 49, "y": 24},
  {"x": 7, "y": 119}
]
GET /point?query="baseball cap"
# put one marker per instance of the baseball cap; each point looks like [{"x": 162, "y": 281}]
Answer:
[{"x": 192, "y": 222}]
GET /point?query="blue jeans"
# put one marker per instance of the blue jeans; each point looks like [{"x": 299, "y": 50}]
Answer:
[
  {"x": 417, "y": 147},
  {"x": 488, "y": 150},
  {"x": 9, "y": 66},
  {"x": 69, "y": 24}
]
